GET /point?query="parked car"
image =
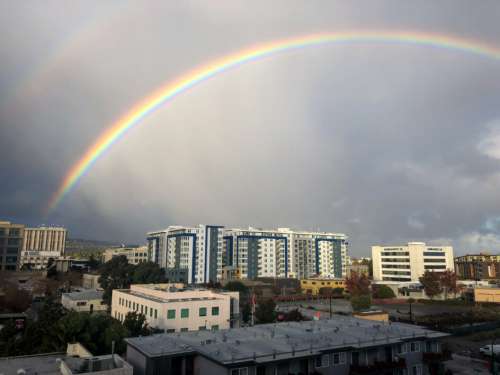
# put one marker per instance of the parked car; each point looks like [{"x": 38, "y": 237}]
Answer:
[{"x": 487, "y": 349}]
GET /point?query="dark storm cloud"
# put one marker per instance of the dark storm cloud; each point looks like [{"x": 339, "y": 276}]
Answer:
[{"x": 386, "y": 143}]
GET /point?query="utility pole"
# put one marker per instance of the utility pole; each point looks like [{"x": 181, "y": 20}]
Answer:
[{"x": 330, "y": 305}]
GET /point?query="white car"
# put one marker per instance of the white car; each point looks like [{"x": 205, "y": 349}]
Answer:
[{"x": 487, "y": 349}]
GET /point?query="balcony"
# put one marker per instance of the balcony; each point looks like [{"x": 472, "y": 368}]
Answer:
[{"x": 378, "y": 368}]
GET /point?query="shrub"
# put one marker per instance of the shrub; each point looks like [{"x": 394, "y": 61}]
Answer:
[{"x": 361, "y": 302}]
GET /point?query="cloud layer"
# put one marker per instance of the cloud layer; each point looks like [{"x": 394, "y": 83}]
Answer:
[{"x": 387, "y": 143}]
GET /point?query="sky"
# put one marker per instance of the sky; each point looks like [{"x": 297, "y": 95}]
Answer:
[{"x": 388, "y": 143}]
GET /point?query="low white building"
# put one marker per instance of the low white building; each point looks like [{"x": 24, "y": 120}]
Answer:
[
  {"x": 88, "y": 301},
  {"x": 407, "y": 263},
  {"x": 167, "y": 307},
  {"x": 134, "y": 255}
]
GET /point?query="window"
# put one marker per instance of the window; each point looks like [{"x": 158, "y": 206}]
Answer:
[
  {"x": 146, "y": 310},
  {"x": 156, "y": 314},
  {"x": 203, "y": 311},
  {"x": 240, "y": 371},
  {"x": 215, "y": 310},
  {"x": 171, "y": 314},
  {"x": 322, "y": 361},
  {"x": 170, "y": 330},
  {"x": 215, "y": 327},
  {"x": 416, "y": 370},
  {"x": 202, "y": 328},
  {"x": 401, "y": 349},
  {"x": 415, "y": 347},
  {"x": 81, "y": 303},
  {"x": 339, "y": 358},
  {"x": 184, "y": 329},
  {"x": 184, "y": 313}
]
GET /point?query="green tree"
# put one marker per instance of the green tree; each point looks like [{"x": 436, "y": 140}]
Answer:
[
  {"x": 136, "y": 324},
  {"x": 361, "y": 302},
  {"x": 449, "y": 283},
  {"x": 246, "y": 312},
  {"x": 383, "y": 291},
  {"x": 147, "y": 273},
  {"x": 358, "y": 284},
  {"x": 237, "y": 286},
  {"x": 431, "y": 282},
  {"x": 115, "y": 274},
  {"x": 265, "y": 311}
]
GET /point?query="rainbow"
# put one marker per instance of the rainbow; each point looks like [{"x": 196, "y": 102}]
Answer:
[{"x": 171, "y": 90}]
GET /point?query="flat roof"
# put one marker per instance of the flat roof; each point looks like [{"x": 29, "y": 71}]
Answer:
[
  {"x": 271, "y": 342},
  {"x": 165, "y": 300},
  {"x": 42, "y": 364},
  {"x": 84, "y": 295}
]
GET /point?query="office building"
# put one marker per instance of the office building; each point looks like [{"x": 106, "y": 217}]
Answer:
[
  {"x": 41, "y": 244},
  {"x": 134, "y": 255},
  {"x": 343, "y": 345},
  {"x": 174, "y": 309},
  {"x": 199, "y": 254},
  {"x": 11, "y": 242},
  {"x": 478, "y": 266},
  {"x": 314, "y": 285},
  {"x": 407, "y": 263},
  {"x": 84, "y": 301}
]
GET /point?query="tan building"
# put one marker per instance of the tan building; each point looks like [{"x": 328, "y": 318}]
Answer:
[
  {"x": 312, "y": 286},
  {"x": 91, "y": 281},
  {"x": 84, "y": 301},
  {"x": 478, "y": 266},
  {"x": 134, "y": 255},
  {"x": 487, "y": 295},
  {"x": 360, "y": 269},
  {"x": 41, "y": 244},
  {"x": 167, "y": 307},
  {"x": 11, "y": 242}
]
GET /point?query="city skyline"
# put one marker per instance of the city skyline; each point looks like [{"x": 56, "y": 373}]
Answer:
[{"x": 386, "y": 142}]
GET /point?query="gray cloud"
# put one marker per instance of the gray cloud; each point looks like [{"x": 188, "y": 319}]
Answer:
[{"x": 384, "y": 142}]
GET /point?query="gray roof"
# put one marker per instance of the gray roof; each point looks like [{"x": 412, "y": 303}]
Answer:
[
  {"x": 43, "y": 364},
  {"x": 269, "y": 342},
  {"x": 85, "y": 295}
]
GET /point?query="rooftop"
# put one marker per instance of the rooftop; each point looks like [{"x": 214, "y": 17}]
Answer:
[
  {"x": 85, "y": 295},
  {"x": 43, "y": 364},
  {"x": 269, "y": 342}
]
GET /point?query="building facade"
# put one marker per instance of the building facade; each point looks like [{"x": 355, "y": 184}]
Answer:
[
  {"x": 41, "y": 244},
  {"x": 173, "y": 309},
  {"x": 407, "y": 263},
  {"x": 134, "y": 255},
  {"x": 84, "y": 301},
  {"x": 340, "y": 346},
  {"x": 199, "y": 254},
  {"x": 313, "y": 286},
  {"x": 478, "y": 266},
  {"x": 11, "y": 242}
]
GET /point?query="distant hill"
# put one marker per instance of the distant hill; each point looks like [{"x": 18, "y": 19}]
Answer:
[{"x": 77, "y": 245}]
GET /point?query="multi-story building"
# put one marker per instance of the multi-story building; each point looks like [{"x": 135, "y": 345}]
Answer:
[
  {"x": 407, "y": 263},
  {"x": 134, "y": 255},
  {"x": 168, "y": 307},
  {"x": 314, "y": 285},
  {"x": 11, "y": 242},
  {"x": 41, "y": 244},
  {"x": 343, "y": 345},
  {"x": 478, "y": 266}
]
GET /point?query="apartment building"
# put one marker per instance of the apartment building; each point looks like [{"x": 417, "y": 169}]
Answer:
[
  {"x": 134, "y": 255},
  {"x": 199, "y": 254},
  {"x": 11, "y": 242},
  {"x": 41, "y": 244},
  {"x": 343, "y": 345},
  {"x": 407, "y": 263},
  {"x": 174, "y": 309},
  {"x": 478, "y": 266}
]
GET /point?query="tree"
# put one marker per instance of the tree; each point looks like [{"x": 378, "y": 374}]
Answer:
[
  {"x": 246, "y": 312},
  {"x": 266, "y": 311},
  {"x": 449, "y": 283},
  {"x": 294, "y": 316},
  {"x": 361, "y": 302},
  {"x": 237, "y": 286},
  {"x": 94, "y": 263},
  {"x": 432, "y": 283},
  {"x": 115, "y": 274},
  {"x": 136, "y": 324},
  {"x": 383, "y": 291},
  {"x": 14, "y": 299},
  {"x": 357, "y": 284},
  {"x": 147, "y": 273}
]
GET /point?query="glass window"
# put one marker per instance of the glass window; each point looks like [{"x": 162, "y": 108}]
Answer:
[
  {"x": 184, "y": 313},
  {"x": 202, "y": 328},
  {"x": 171, "y": 314},
  {"x": 323, "y": 361},
  {"x": 215, "y": 327},
  {"x": 170, "y": 330},
  {"x": 156, "y": 314},
  {"x": 184, "y": 329},
  {"x": 215, "y": 310},
  {"x": 146, "y": 310},
  {"x": 240, "y": 371},
  {"x": 203, "y": 311}
]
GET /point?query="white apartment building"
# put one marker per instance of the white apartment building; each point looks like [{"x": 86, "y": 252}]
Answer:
[
  {"x": 135, "y": 255},
  {"x": 167, "y": 307},
  {"x": 407, "y": 263},
  {"x": 192, "y": 255},
  {"x": 197, "y": 254},
  {"x": 42, "y": 243}
]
